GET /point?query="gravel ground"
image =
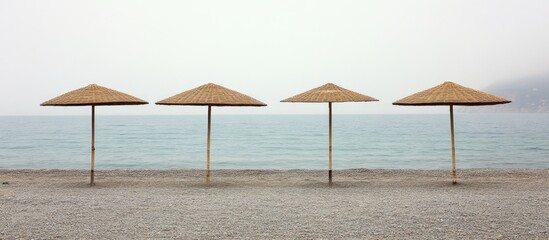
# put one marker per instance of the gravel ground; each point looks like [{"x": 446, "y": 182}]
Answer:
[{"x": 249, "y": 204}]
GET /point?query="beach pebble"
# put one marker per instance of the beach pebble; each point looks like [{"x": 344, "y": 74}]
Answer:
[{"x": 281, "y": 204}]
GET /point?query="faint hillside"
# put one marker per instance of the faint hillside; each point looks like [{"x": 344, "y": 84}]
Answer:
[{"x": 528, "y": 95}]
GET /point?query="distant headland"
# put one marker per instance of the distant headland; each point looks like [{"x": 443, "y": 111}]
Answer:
[{"x": 529, "y": 95}]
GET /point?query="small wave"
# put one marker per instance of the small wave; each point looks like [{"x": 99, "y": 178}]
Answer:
[
  {"x": 22, "y": 147},
  {"x": 535, "y": 149}
]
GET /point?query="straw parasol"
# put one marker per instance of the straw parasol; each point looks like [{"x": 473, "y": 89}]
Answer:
[
  {"x": 329, "y": 93},
  {"x": 211, "y": 95},
  {"x": 451, "y": 94},
  {"x": 93, "y": 95}
]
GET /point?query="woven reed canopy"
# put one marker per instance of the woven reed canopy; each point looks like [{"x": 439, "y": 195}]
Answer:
[
  {"x": 329, "y": 93},
  {"x": 450, "y": 93},
  {"x": 211, "y": 95},
  {"x": 93, "y": 94}
]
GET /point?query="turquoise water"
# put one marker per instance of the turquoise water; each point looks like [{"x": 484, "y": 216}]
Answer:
[{"x": 276, "y": 141}]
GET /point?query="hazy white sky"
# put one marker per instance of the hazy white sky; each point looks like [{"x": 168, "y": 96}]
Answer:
[{"x": 269, "y": 50}]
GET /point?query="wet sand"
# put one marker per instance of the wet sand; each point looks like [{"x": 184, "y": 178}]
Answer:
[{"x": 368, "y": 204}]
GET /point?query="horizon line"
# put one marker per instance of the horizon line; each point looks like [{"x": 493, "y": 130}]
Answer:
[{"x": 261, "y": 114}]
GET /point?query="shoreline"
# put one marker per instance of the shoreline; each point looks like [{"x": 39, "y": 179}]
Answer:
[
  {"x": 348, "y": 174},
  {"x": 287, "y": 204}
]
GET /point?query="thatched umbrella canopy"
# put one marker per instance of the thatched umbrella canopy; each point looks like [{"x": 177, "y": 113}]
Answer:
[
  {"x": 451, "y": 94},
  {"x": 211, "y": 95},
  {"x": 93, "y": 95},
  {"x": 329, "y": 93}
]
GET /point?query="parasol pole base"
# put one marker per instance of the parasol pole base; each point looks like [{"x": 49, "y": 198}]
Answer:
[
  {"x": 92, "y": 183},
  {"x": 330, "y": 177}
]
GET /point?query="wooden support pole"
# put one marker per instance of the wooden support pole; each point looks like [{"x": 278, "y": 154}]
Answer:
[
  {"x": 93, "y": 146},
  {"x": 208, "y": 148},
  {"x": 330, "y": 144},
  {"x": 453, "y": 145}
]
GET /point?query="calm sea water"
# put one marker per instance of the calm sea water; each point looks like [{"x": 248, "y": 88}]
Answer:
[{"x": 276, "y": 141}]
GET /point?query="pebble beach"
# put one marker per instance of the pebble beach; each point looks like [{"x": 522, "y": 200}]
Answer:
[{"x": 275, "y": 204}]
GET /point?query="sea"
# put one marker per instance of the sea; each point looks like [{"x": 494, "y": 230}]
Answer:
[{"x": 275, "y": 141}]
